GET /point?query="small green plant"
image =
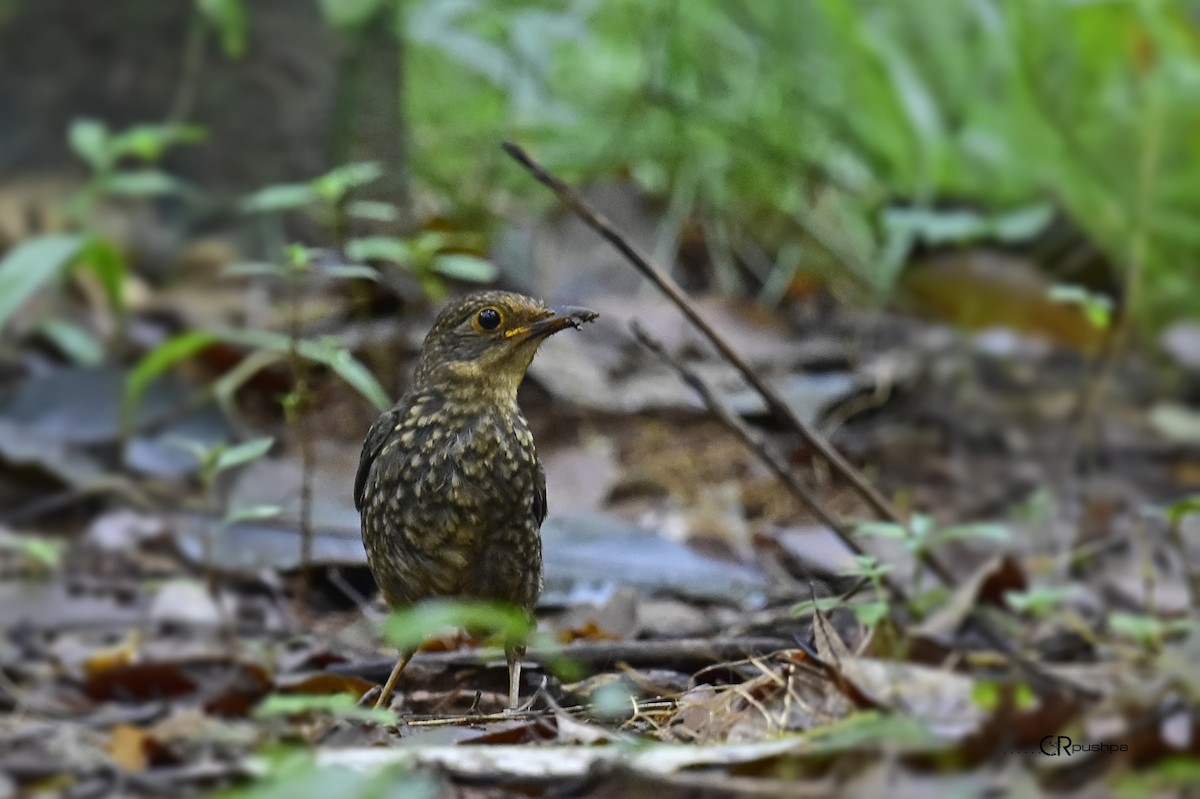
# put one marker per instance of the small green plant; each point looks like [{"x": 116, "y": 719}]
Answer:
[
  {"x": 407, "y": 628},
  {"x": 295, "y": 774},
  {"x": 868, "y": 612},
  {"x": 1039, "y": 601},
  {"x": 921, "y": 536},
  {"x": 39, "y": 554},
  {"x": 41, "y": 261},
  {"x": 429, "y": 256},
  {"x": 341, "y": 706},
  {"x": 215, "y": 461},
  {"x": 1097, "y": 308},
  {"x": 1148, "y": 632},
  {"x": 108, "y": 154},
  {"x": 990, "y": 694},
  {"x": 329, "y": 193}
]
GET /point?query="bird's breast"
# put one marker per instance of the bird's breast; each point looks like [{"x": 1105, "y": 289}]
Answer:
[{"x": 453, "y": 496}]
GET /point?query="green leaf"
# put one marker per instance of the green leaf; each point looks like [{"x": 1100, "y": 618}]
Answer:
[
  {"x": 240, "y": 454},
  {"x": 350, "y": 369},
  {"x": 976, "y": 531},
  {"x": 1023, "y": 224},
  {"x": 252, "y": 513},
  {"x": 88, "y": 139},
  {"x": 203, "y": 453},
  {"x": 229, "y": 18},
  {"x": 869, "y": 730},
  {"x": 468, "y": 268},
  {"x": 350, "y": 15},
  {"x": 408, "y": 628},
  {"x": 868, "y": 566},
  {"x": 151, "y": 142},
  {"x": 882, "y": 530},
  {"x": 298, "y": 776},
  {"x": 103, "y": 258},
  {"x": 282, "y": 197},
  {"x": 1098, "y": 308},
  {"x": 142, "y": 183},
  {"x": 1143, "y": 629},
  {"x": 379, "y": 248},
  {"x": 1179, "y": 510},
  {"x": 1039, "y": 601},
  {"x": 349, "y": 272},
  {"x": 334, "y": 184},
  {"x": 373, "y": 211},
  {"x": 921, "y": 525},
  {"x": 80, "y": 345},
  {"x": 343, "y": 706},
  {"x": 870, "y": 613},
  {"x": 154, "y": 363},
  {"x": 33, "y": 264},
  {"x": 43, "y": 554},
  {"x": 322, "y": 351},
  {"x": 256, "y": 269},
  {"x": 227, "y": 385}
]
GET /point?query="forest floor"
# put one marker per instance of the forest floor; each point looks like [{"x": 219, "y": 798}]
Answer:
[{"x": 1027, "y": 628}]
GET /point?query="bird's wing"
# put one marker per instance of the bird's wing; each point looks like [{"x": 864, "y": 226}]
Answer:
[
  {"x": 376, "y": 439},
  {"x": 540, "y": 507}
]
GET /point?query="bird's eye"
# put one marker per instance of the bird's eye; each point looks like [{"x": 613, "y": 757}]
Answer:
[{"x": 488, "y": 319}]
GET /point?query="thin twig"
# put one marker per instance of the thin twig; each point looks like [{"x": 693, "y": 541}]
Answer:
[
  {"x": 191, "y": 67},
  {"x": 739, "y": 428},
  {"x": 775, "y": 404}
]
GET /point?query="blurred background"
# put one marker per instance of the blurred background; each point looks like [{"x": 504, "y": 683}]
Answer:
[{"x": 960, "y": 238}]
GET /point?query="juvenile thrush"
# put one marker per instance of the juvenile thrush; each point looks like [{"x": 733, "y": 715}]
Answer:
[{"x": 449, "y": 487}]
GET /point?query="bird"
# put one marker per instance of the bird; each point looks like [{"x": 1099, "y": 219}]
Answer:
[{"x": 449, "y": 488}]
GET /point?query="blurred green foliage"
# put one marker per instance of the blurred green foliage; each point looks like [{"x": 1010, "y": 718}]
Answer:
[
  {"x": 805, "y": 122},
  {"x": 819, "y": 136},
  {"x": 295, "y": 774}
]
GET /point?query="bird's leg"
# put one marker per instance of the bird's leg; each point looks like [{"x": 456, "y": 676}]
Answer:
[
  {"x": 385, "y": 697},
  {"x": 514, "y": 655}
]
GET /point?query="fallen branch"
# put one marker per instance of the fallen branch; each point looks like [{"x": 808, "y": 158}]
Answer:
[{"x": 776, "y": 406}]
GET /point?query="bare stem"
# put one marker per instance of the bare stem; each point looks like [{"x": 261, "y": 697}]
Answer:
[{"x": 775, "y": 404}]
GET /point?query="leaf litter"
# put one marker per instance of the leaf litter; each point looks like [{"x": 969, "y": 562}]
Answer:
[{"x": 669, "y": 651}]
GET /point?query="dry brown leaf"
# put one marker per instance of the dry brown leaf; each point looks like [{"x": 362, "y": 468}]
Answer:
[
  {"x": 943, "y": 699},
  {"x": 987, "y": 586},
  {"x": 322, "y": 683},
  {"x": 114, "y": 657},
  {"x": 129, "y": 747},
  {"x": 588, "y": 631}
]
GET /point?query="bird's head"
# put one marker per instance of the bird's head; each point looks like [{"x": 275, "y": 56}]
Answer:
[{"x": 483, "y": 343}]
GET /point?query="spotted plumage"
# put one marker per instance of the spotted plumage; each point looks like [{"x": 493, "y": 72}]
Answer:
[{"x": 449, "y": 487}]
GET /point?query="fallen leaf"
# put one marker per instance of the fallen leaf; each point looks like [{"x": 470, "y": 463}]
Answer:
[
  {"x": 322, "y": 683},
  {"x": 115, "y": 657},
  {"x": 128, "y": 746},
  {"x": 986, "y": 586},
  {"x": 187, "y": 603}
]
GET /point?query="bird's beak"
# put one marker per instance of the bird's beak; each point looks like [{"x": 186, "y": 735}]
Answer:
[{"x": 558, "y": 319}]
